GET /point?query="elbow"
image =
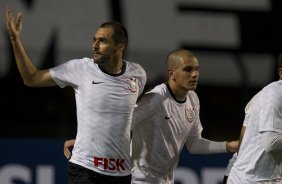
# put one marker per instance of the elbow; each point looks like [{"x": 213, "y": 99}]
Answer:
[
  {"x": 193, "y": 149},
  {"x": 29, "y": 83},
  {"x": 268, "y": 147}
]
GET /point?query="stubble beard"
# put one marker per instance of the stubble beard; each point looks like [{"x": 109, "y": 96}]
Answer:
[{"x": 101, "y": 60}]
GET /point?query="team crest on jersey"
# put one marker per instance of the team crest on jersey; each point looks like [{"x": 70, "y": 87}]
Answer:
[
  {"x": 132, "y": 84},
  {"x": 190, "y": 114}
]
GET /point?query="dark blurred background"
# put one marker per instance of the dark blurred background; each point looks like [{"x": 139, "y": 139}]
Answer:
[{"x": 237, "y": 44}]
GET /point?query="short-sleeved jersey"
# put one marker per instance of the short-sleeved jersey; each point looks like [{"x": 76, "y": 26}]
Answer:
[
  {"x": 248, "y": 110},
  {"x": 254, "y": 164},
  {"x": 161, "y": 126},
  {"x": 105, "y": 104}
]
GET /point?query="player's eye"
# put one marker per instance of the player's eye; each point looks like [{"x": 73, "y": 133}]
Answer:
[{"x": 103, "y": 40}]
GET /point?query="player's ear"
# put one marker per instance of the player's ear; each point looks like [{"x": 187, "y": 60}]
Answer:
[
  {"x": 121, "y": 47},
  {"x": 171, "y": 74},
  {"x": 280, "y": 73}
]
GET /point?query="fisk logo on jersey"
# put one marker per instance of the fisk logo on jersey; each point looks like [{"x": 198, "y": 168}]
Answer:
[
  {"x": 132, "y": 84},
  {"x": 111, "y": 164}
]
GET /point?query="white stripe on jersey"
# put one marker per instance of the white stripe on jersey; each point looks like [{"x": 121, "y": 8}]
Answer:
[{"x": 105, "y": 105}]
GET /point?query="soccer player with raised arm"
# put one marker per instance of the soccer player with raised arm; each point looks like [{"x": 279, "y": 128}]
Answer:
[{"x": 106, "y": 90}]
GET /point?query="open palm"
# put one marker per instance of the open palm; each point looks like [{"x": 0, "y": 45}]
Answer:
[{"x": 14, "y": 27}]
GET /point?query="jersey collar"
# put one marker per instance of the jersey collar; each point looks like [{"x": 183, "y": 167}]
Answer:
[
  {"x": 173, "y": 96},
  {"x": 117, "y": 74}
]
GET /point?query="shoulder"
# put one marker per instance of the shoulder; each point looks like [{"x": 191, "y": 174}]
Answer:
[
  {"x": 269, "y": 96},
  {"x": 271, "y": 91},
  {"x": 193, "y": 95},
  {"x": 81, "y": 61},
  {"x": 160, "y": 90},
  {"x": 149, "y": 103},
  {"x": 250, "y": 104},
  {"x": 156, "y": 95},
  {"x": 131, "y": 66},
  {"x": 72, "y": 65},
  {"x": 86, "y": 61}
]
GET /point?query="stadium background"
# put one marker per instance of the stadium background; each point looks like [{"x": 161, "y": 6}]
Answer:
[{"x": 237, "y": 44}]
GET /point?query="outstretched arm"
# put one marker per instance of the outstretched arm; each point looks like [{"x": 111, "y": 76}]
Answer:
[
  {"x": 30, "y": 74},
  {"x": 199, "y": 145}
]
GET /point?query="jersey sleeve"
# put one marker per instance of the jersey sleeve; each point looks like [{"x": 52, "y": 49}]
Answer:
[
  {"x": 248, "y": 110},
  {"x": 143, "y": 79},
  {"x": 197, "y": 128},
  {"x": 68, "y": 74},
  {"x": 270, "y": 114}
]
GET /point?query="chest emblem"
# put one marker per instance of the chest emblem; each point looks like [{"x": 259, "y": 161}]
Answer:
[
  {"x": 132, "y": 84},
  {"x": 190, "y": 114}
]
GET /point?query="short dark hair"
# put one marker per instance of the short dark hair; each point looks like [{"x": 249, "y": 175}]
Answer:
[
  {"x": 120, "y": 34},
  {"x": 280, "y": 61},
  {"x": 172, "y": 58}
]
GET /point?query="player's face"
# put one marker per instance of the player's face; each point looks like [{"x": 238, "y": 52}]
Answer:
[
  {"x": 187, "y": 74},
  {"x": 104, "y": 47}
]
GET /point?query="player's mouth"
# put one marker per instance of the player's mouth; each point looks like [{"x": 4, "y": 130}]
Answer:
[
  {"x": 194, "y": 83},
  {"x": 96, "y": 54}
]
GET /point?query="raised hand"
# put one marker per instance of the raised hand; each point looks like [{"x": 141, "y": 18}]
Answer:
[{"x": 14, "y": 27}]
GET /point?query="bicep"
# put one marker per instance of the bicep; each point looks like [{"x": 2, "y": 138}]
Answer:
[{"x": 42, "y": 78}]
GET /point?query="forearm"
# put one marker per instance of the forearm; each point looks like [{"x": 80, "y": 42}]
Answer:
[
  {"x": 271, "y": 141},
  {"x": 24, "y": 64},
  {"x": 204, "y": 146},
  {"x": 30, "y": 74},
  {"x": 243, "y": 129}
]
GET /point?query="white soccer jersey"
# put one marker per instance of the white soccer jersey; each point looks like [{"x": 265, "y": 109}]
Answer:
[
  {"x": 253, "y": 164},
  {"x": 105, "y": 104},
  {"x": 161, "y": 126},
  {"x": 248, "y": 110}
]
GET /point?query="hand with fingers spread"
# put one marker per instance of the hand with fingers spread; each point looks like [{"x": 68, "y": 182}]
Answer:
[{"x": 14, "y": 26}]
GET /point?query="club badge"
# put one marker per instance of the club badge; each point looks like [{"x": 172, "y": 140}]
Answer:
[
  {"x": 190, "y": 114},
  {"x": 132, "y": 84}
]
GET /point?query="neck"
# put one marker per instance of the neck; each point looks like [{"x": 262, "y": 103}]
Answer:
[
  {"x": 114, "y": 67},
  {"x": 179, "y": 92}
]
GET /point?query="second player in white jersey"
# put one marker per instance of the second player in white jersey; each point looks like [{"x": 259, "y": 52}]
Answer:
[
  {"x": 165, "y": 120},
  {"x": 162, "y": 125}
]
